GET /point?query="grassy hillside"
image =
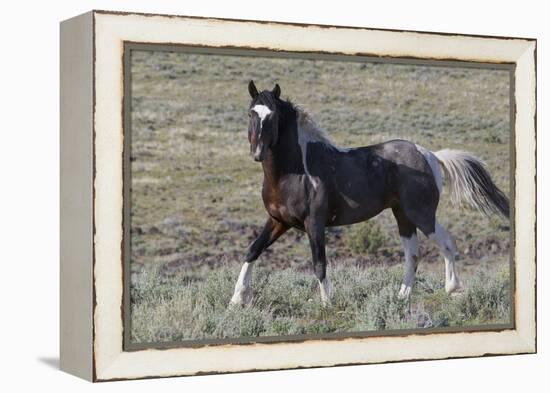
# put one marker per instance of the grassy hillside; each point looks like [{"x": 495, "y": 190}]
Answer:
[{"x": 196, "y": 201}]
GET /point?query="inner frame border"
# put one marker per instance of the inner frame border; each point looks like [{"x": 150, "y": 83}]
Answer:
[{"x": 129, "y": 46}]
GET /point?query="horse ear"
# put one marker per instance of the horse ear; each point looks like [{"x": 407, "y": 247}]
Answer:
[
  {"x": 252, "y": 89},
  {"x": 276, "y": 91}
]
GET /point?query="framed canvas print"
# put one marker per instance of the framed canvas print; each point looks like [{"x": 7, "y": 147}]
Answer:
[{"x": 244, "y": 195}]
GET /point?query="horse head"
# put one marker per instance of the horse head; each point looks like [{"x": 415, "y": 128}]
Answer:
[{"x": 263, "y": 124}]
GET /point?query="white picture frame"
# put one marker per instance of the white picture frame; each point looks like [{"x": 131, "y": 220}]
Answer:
[{"x": 92, "y": 151}]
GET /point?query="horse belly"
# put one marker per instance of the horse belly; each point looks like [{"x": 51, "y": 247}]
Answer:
[
  {"x": 339, "y": 217},
  {"x": 357, "y": 200}
]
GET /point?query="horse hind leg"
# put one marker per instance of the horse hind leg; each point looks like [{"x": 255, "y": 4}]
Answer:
[
  {"x": 447, "y": 246},
  {"x": 410, "y": 245},
  {"x": 409, "y": 239},
  {"x": 425, "y": 220}
]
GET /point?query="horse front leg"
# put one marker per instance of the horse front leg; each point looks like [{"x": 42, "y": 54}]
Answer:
[
  {"x": 272, "y": 231},
  {"x": 315, "y": 228}
]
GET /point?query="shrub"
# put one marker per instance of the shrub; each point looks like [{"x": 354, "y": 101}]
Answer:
[
  {"x": 366, "y": 237},
  {"x": 167, "y": 307},
  {"x": 282, "y": 326},
  {"x": 493, "y": 136},
  {"x": 386, "y": 310},
  {"x": 486, "y": 299},
  {"x": 242, "y": 322},
  {"x": 284, "y": 293}
]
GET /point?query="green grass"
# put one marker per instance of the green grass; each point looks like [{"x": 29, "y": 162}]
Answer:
[
  {"x": 196, "y": 202},
  {"x": 167, "y": 307},
  {"x": 365, "y": 238}
]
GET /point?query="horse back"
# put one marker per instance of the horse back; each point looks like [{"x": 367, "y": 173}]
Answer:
[{"x": 361, "y": 182}]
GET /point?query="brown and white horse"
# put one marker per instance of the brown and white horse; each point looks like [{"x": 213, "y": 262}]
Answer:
[{"x": 309, "y": 184}]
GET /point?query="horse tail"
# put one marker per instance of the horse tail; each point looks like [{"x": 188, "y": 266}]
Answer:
[{"x": 471, "y": 183}]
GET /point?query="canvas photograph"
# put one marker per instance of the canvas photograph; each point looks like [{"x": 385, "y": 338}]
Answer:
[
  {"x": 280, "y": 197},
  {"x": 243, "y": 195}
]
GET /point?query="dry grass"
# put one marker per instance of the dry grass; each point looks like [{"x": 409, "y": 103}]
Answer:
[
  {"x": 286, "y": 302},
  {"x": 196, "y": 201}
]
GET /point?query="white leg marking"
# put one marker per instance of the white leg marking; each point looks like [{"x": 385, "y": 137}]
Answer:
[
  {"x": 448, "y": 248},
  {"x": 410, "y": 244},
  {"x": 243, "y": 292},
  {"x": 326, "y": 291},
  {"x": 404, "y": 291},
  {"x": 434, "y": 165}
]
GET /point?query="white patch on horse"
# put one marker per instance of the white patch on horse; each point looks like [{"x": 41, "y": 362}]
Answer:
[
  {"x": 351, "y": 203},
  {"x": 258, "y": 149},
  {"x": 326, "y": 291},
  {"x": 434, "y": 165},
  {"x": 262, "y": 111},
  {"x": 343, "y": 149},
  {"x": 309, "y": 132},
  {"x": 410, "y": 245},
  {"x": 448, "y": 249},
  {"x": 243, "y": 292}
]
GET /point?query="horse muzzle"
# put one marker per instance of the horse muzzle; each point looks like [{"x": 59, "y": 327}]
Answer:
[{"x": 259, "y": 152}]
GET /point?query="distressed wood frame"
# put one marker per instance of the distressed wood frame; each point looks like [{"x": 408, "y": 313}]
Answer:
[{"x": 92, "y": 246}]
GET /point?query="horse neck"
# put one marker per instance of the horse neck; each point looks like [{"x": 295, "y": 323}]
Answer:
[{"x": 285, "y": 156}]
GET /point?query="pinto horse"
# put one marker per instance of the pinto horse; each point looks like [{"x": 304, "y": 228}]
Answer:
[{"x": 310, "y": 184}]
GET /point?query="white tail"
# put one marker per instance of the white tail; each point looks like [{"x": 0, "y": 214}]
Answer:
[{"x": 471, "y": 183}]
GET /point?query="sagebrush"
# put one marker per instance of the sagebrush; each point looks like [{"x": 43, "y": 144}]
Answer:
[{"x": 166, "y": 307}]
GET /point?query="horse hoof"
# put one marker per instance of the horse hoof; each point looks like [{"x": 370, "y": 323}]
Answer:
[
  {"x": 326, "y": 303},
  {"x": 241, "y": 298},
  {"x": 235, "y": 303},
  {"x": 453, "y": 287}
]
